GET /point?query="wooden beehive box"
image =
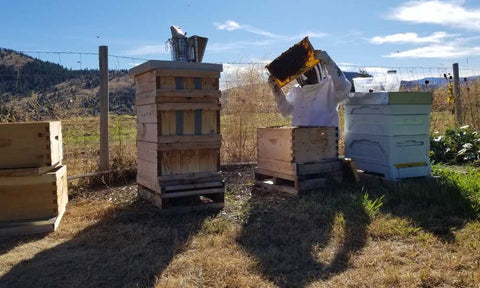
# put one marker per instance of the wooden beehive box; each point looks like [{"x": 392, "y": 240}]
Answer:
[
  {"x": 297, "y": 144},
  {"x": 31, "y": 144},
  {"x": 296, "y": 159},
  {"x": 34, "y": 196},
  {"x": 178, "y": 125}
]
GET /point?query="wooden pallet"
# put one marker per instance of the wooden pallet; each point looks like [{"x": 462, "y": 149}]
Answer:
[
  {"x": 308, "y": 176},
  {"x": 186, "y": 197}
]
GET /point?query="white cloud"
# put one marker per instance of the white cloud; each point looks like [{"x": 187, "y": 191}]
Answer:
[
  {"x": 231, "y": 25},
  {"x": 148, "y": 50},
  {"x": 410, "y": 38},
  {"x": 438, "y": 51},
  {"x": 448, "y": 13}
]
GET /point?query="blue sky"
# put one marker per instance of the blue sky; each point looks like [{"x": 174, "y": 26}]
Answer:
[{"x": 372, "y": 33}]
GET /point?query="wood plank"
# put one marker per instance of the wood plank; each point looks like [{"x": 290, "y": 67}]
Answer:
[
  {"x": 193, "y": 192},
  {"x": 145, "y": 82},
  {"x": 168, "y": 120},
  {"x": 189, "y": 146},
  {"x": 147, "y": 151},
  {"x": 188, "y": 93},
  {"x": 147, "y": 114},
  {"x": 210, "y": 83},
  {"x": 147, "y": 173},
  {"x": 192, "y": 186},
  {"x": 147, "y": 132},
  {"x": 18, "y": 172},
  {"x": 285, "y": 167},
  {"x": 192, "y": 176},
  {"x": 34, "y": 196},
  {"x": 190, "y": 139},
  {"x": 313, "y": 144},
  {"x": 30, "y": 144},
  {"x": 187, "y": 106},
  {"x": 275, "y": 143},
  {"x": 208, "y": 160},
  {"x": 189, "y": 122},
  {"x": 153, "y": 97},
  {"x": 166, "y": 82},
  {"x": 187, "y": 73},
  {"x": 318, "y": 167},
  {"x": 209, "y": 122}
]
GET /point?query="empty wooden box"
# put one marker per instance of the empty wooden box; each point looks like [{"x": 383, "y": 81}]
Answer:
[
  {"x": 178, "y": 130},
  {"x": 30, "y": 145},
  {"x": 300, "y": 155},
  {"x": 34, "y": 196}
]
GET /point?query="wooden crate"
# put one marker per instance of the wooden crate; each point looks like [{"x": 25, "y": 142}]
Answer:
[
  {"x": 297, "y": 144},
  {"x": 31, "y": 144},
  {"x": 178, "y": 131},
  {"x": 34, "y": 196},
  {"x": 297, "y": 159}
]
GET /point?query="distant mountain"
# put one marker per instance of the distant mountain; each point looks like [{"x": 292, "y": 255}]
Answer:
[
  {"x": 32, "y": 89},
  {"x": 433, "y": 82}
]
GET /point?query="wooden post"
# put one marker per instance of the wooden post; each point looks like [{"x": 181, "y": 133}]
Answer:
[
  {"x": 456, "y": 90},
  {"x": 104, "y": 149}
]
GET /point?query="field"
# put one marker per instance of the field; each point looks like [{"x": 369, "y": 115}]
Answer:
[
  {"x": 409, "y": 234},
  {"x": 373, "y": 234}
]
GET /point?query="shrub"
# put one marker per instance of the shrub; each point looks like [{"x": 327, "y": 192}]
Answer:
[{"x": 456, "y": 146}]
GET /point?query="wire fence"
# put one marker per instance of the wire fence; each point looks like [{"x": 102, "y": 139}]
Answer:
[{"x": 74, "y": 100}]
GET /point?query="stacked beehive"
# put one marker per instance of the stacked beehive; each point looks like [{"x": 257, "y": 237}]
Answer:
[
  {"x": 33, "y": 181},
  {"x": 297, "y": 159},
  {"x": 178, "y": 133},
  {"x": 389, "y": 133}
]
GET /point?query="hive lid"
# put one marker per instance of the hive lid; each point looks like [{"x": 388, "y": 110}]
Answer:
[
  {"x": 390, "y": 98},
  {"x": 175, "y": 65}
]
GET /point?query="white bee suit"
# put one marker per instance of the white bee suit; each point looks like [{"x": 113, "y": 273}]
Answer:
[{"x": 316, "y": 104}]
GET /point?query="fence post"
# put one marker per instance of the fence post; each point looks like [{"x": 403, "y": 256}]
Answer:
[
  {"x": 104, "y": 149},
  {"x": 456, "y": 90}
]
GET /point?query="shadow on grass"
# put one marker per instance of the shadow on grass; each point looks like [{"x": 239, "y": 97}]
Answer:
[
  {"x": 440, "y": 205},
  {"x": 129, "y": 247},
  {"x": 285, "y": 236}
]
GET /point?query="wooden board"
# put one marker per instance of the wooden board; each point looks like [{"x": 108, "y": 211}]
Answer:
[
  {"x": 35, "y": 196},
  {"x": 147, "y": 173},
  {"x": 145, "y": 82},
  {"x": 31, "y": 144},
  {"x": 26, "y": 171},
  {"x": 157, "y": 96},
  {"x": 189, "y": 161}
]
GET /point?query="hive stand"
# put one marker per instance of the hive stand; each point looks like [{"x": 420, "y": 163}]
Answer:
[{"x": 178, "y": 134}]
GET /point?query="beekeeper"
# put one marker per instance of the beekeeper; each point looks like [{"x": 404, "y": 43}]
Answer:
[{"x": 314, "y": 101}]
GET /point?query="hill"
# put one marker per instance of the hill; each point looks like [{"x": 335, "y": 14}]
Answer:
[{"x": 32, "y": 89}]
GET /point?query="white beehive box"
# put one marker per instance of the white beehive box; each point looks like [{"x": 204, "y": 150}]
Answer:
[{"x": 388, "y": 133}]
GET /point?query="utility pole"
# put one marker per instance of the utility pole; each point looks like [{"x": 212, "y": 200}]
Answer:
[
  {"x": 456, "y": 91},
  {"x": 104, "y": 149}
]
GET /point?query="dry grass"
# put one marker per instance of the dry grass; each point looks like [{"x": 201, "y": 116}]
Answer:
[{"x": 421, "y": 235}]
